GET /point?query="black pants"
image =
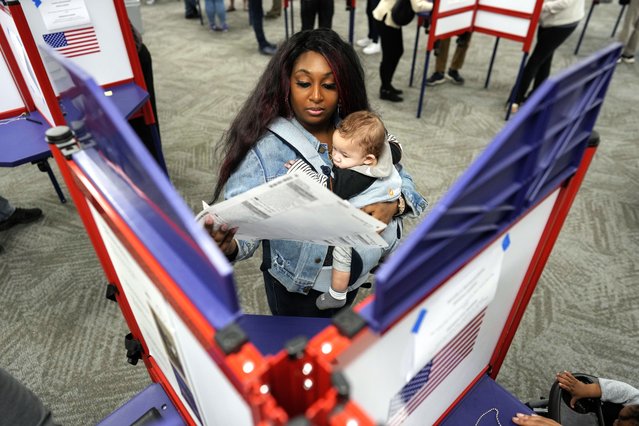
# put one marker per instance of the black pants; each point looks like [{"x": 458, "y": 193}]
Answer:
[
  {"x": 392, "y": 51},
  {"x": 373, "y": 32},
  {"x": 322, "y": 8},
  {"x": 20, "y": 406},
  {"x": 540, "y": 60},
  {"x": 285, "y": 303}
]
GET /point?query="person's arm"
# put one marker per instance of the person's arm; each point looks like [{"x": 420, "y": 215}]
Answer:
[
  {"x": 553, "y": 7},
  {"x": 533, "y": 420},
  {"x": 577, "y": 388},
  {"x": 249, "y": 175},
  {"x": 618, "y": 392},
  {"x": 421, "y": 6}
]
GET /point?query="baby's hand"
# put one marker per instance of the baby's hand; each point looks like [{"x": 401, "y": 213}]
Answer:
[{"x": 289, "y": 163}]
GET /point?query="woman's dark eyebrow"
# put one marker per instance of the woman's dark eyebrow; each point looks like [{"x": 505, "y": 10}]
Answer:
[{"x": 305, "y": 71}]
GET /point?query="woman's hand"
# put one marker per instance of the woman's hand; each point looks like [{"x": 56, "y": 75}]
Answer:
[
  {"x": 223, "y": 236},
  {"x": 382, "y": 211},
  {"x": 534, "y": 420}
]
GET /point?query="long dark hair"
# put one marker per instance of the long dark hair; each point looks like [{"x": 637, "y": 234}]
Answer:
[{"x": 269, "y": 99}]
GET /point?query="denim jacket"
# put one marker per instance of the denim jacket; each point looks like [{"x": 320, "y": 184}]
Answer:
[{"x": 297, "y": 264}]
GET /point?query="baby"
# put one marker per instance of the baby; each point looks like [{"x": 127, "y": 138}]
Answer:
[{"x": 363, "y": 173}]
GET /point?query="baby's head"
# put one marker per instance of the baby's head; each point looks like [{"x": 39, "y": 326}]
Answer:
[{"x": 358, "y": 140}]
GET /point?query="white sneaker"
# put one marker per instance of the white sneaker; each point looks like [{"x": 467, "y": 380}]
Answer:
[
  {"x": 372, "y": 48},
  {"x": 150, "y": 2},
  {"x": 363, "y": 42}
]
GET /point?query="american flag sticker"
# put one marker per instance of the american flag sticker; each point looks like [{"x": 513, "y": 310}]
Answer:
[
  {"x": 428, "y": 379},
  {"x": 72, "y": 43}
]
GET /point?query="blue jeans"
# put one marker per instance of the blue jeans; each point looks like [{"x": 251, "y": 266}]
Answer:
[
  {"x": 215, "y": 7},
  {"x": 6, "y": 209}
]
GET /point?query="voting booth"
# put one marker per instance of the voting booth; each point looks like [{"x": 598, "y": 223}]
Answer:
[
  {"x": 94, "y": 34},
  {"x": 424, "y": 349},
  {"x": 512, "y": 20}
]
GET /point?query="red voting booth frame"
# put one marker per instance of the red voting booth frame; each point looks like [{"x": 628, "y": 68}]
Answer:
[
  {"x": 14, "y": 9},
  {"x": 266, "y": 409},
  {"x": 436, "y": 15},
  {"x": 247, "y": 369}
]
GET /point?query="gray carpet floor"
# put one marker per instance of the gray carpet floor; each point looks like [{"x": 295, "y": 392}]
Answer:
[{"x": 62, "y": 338}]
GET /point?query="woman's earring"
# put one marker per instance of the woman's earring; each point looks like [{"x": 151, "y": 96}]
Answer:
[{"x": 339, "y": 109}]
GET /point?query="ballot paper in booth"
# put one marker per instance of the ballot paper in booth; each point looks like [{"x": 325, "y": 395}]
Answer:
[{"x": 296, "y": 207}]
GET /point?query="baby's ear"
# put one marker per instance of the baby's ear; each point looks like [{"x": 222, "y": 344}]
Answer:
[{"x": 370, "y": 160}]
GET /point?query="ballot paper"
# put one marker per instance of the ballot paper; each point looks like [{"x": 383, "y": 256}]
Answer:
[{"x": 296, "y": 207}]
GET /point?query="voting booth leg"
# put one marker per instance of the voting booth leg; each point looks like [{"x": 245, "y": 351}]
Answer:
[
  {"x": 423, "y": 89},
  {"x": 614, "y": 29},
  {"x": 560, "y": 213},
  {"x": 516, "y": 88},
  {"x": 492, "y": 61},
  {"x": 412, "y": 67},
  {"x": 286, "y": 21},
  {"x": 583, "y": 30},
  {"x": 44, "y": 166}
]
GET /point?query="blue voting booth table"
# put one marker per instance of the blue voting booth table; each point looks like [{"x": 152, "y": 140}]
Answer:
[{"x": 424, "y": 349}]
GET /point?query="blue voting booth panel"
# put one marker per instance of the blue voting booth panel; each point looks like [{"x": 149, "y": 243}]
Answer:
[
  {"x": 152, "y": 406},
  {"x": 535, "y": 152},
  {"x": 112, "y": 156}
]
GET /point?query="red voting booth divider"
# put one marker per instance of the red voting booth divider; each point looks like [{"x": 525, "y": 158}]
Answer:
[
  {"x": 515, "y": 21},
  {"x": 375, "y": 363}
]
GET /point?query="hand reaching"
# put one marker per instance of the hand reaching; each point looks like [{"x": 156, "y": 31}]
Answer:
[
  {"x": 533, "y": 420},
  {"x": 577, "y": 388}
]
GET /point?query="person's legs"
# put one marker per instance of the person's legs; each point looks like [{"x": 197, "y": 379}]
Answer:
[
  {"x": 308, "y": 10},
  {"x": 551, "y": 39},
  {"x": 20, "y": 406},
  {"x": 6, "y": 209},
  {"x": 392, "y": 51},
  {"x": 325, "y": 13},
  {"x": 276, "y": 9},
  {"x": 631, "y": 29},
  {"x": 442, "y": 56},
  {"x": 209, "y": 7},
  {"x": 256, "y": 14},
  {"x": 373, "y": 32},
  {"x": 463, "y": 42},
  {"x": 220, "y": 11},
  {"x": 190, "y": 12}
]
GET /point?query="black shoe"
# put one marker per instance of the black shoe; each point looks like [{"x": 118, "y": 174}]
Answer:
[
  {"x": 455, "y": 77},
  {"x": 435, "y": 79},
  {"x": 20, "y": 216},
  {"x": 268, "y": 49},
  {"x": 1, "y": 249},
  {"x": 192, "y": 16},
  {"x": 399, "y": 92},
  {"x": 389, "y": 95}
]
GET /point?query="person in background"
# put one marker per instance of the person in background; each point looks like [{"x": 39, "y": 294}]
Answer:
[
  {"x": 323, "y": 9},
  {"x": 11, "y": 216},
  {"x": 557, "y": 21},
  {"x": 256, "y": 16},
  {"x": 313, "y": 81},
  {"x": 392, "y": 45},
  {"x": 620, "y": 400},
  {"x": 232, "y": 5},
  {"x": 190, "y": 11},
  {"x": 629, "y": 35},
  {"x": 215, "y": 8},
  {"x": 276, "y": 10},
  {"x": 19, "y": 406},
  {"x": 441, "y": 53},
  {"x": 370, "y": 43}
]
